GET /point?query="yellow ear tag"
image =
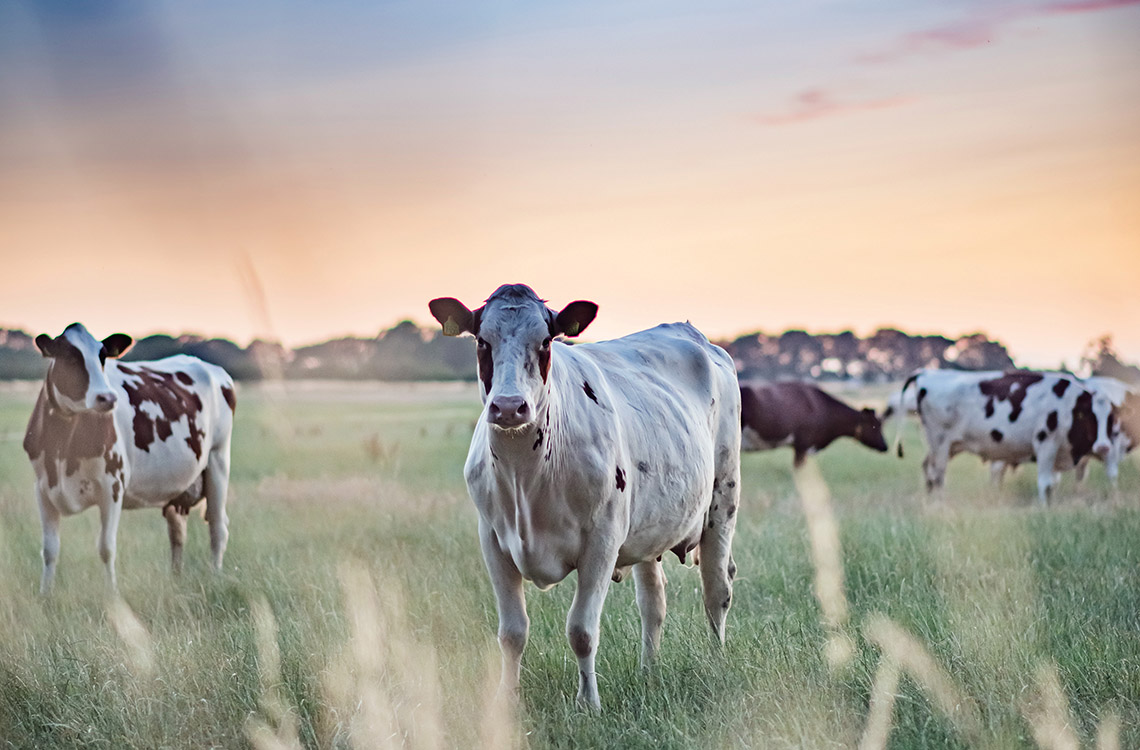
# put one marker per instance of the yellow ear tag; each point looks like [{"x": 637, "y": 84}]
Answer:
[{"x": 451, "y": 328}]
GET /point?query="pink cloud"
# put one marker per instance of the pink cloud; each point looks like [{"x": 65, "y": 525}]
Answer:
[
  {"x": 1087, "y": 6},
  {"x": 812, "y": 104},
  {"x": 960, "y": 35},
  {"x": 981, "y": 30}
]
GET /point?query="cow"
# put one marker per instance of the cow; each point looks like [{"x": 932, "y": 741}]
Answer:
[
  {"x": 1123, "y": 430},
  {"x": 597, "y": 458},
  {"x": 803, "y": 416},
  {"x": 1011, "y": 416},
  {"x": 115, "y": 435}
]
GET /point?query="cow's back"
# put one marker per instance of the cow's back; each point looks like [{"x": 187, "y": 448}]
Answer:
[
  {"x": 669, "y": 403},
  {"x": 171, "y": 414}
]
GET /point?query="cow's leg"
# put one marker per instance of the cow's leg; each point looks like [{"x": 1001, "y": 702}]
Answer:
[
  {"x": 717, "y": 567},
  {"x": 49, "y": 519},
  {"x": 650, "y": 581},
  {"x": 514, "y": 626},
  {"x": 997, "y": 472},
  {"x": 1046, "y": 473},
  {"x": 584, "y": 623},
  {"x": 176, "y": 527},
  {"x": 1081, "y": 469},
  {"x": 217, "y": 480},
  {"x": 109, "y": 512}
]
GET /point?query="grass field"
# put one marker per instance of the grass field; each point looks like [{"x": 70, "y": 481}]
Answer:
[{"x": 354, "y": 610}]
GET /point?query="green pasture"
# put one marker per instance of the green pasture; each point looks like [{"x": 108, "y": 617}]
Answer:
[{"x": 354, "y": 610}]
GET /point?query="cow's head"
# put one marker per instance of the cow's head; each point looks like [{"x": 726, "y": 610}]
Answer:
[
  {"x": 513, "y": 333},
  {"x": 869, "y": 430},
  {"x": 75, "y": 379},
  {"x": 1093, "y": 424}
]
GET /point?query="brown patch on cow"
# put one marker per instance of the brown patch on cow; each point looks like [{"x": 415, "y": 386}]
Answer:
[
  {"x": 538, "y": 439},
  {"x": 486, "y": 364},
  {"x": 127, "y": 370},
  {"x": 184, "y": 378},
  {"x": 230, "y": 397},
  {"x": 1011, "y": 386},
  {"x": 996, "y": 435},
  {"x": 1041, "y": 436},
  {"x": 1082, "y": 433},
  {"x": 989, "y": 407},
  {"x": 173, "y": 399},
  {"x": 620, "y": 476},
  {"x": 68, "y": 371},
  {"x": 116, "y": 488},
  {"x": 69, "y": 439},
  {"x": 544, "y": 361},
  {"x": 1051, "y": 421},
  {"x": 589, "y": 392},
  {"x": 113, "y": 462},
  {"x": 1060, "y": 387}
]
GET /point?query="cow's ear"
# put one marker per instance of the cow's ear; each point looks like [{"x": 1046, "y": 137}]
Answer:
[
  {"x": 44, "y": 344},
  {"x": 117, "y": 343},
  {"x": 453, "y": 315},
  {"x": 574, "y": 318}
]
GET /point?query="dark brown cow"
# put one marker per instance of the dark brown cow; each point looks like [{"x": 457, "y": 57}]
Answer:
[{"x": 804, "y": 417}]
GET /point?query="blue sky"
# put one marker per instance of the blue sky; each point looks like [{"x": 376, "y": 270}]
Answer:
[{"x": 303, "y": 170}]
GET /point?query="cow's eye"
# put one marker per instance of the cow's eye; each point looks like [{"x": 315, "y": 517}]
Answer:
[
  {"x": 482, "y": 344},
  {"x": 545, "y": 344}
]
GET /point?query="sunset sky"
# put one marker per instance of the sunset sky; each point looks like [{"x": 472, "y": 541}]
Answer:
[{"x": 303, "y": 170}]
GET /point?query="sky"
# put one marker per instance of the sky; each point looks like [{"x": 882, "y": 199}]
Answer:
[{"x": 297, "y": 171}]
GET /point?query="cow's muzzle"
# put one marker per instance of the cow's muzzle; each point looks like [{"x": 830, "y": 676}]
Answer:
[
  {"x": 105, "y": 402},
  {"x": 508, "y": 412},
  {"x": 1102, "y": 450}
]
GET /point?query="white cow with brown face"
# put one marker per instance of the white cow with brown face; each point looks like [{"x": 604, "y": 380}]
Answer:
[
  {"x": 114, "y": 435},
  {"x": 596, "y": 458}
]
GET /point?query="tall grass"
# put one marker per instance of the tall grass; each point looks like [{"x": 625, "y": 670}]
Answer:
[{"x": 354, "y": 610}]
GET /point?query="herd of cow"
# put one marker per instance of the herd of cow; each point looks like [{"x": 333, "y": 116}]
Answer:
[{"x": 597, "y": 458}]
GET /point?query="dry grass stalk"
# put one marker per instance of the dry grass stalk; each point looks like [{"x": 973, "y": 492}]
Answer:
[
  {"x": 900, "y": 645},
  {"x": 1108, "y": 733},
  {"x": 883, "y": 692},
  {"x": 262, "y": 734},
  {"x": 823, "y": 534},
  {"x": 1048, "y": 714},
  {"x": 134, "y": 635}
]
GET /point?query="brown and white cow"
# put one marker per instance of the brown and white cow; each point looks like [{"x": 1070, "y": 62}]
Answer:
[
  {"x": 114, "y": 435},
  {"x": 1014, "y": 416},
  {"x": 597, "y": 458},
  {"x": 804, "y": 417}
]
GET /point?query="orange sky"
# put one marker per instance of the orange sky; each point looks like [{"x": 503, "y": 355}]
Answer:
[{"x": 304, "y": 172}]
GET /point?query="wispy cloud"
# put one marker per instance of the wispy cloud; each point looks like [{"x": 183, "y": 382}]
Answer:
[
  {"x": 981, "y": 29},
  {"x": 1087, "y": 6},
  {"x": 815, "y": 103}
]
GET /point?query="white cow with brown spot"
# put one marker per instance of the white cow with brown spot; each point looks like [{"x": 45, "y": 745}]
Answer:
[
  {"x": 597, "y": 458},
  {"x": 111, "y": 435}
]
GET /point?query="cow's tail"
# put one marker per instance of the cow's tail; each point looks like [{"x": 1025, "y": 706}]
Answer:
[{"x": 900, "y": 418}]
